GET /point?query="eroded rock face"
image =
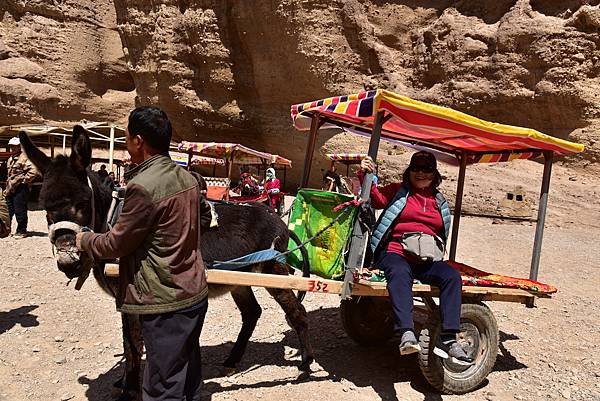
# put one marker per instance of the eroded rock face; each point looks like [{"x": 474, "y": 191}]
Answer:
[
  {"x": 229, "y": 70},
  {"x": 62, "y": 61}
]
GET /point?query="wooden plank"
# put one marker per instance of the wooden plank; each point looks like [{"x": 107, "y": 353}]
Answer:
[{"x": 362, "y": 288}]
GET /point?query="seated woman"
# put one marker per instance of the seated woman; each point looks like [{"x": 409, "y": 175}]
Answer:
[
  {"x": 273, "y": 187},
  {"x": 248, "y": 185},
  {"x": 416, "y": 206}
]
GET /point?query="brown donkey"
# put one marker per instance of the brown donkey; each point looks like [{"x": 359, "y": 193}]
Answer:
[{"x": 73, "y": 198}]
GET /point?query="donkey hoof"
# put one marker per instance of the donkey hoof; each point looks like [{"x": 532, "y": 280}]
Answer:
[
  {"x": 303, "y": 375},
  {"x": 229, "y": 371}
]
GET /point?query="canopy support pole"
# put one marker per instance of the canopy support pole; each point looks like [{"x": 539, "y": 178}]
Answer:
[
  {"x": 310, "y": 150},
  {"x": 539, "y": 228},
  {"x": 230, "y": 165},
  {"x": 359, "y": 237},
  {"x": 111, "y": 148},
  {"x": 458, "y": 205},
  {"x": 64, "y": 144},
  {"x": 51, "y": 146}
]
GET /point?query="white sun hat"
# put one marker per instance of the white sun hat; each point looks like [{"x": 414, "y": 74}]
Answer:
[{"x": 14, "y": 141}]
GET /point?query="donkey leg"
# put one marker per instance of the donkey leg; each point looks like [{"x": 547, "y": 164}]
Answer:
[
  {"x": 133, "y": 344},
  {"x": 297, "y": 317},
  {"x": 250, "y": 309}
]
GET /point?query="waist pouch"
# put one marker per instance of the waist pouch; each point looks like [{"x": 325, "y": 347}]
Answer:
[{"x": 423, "y": 247}]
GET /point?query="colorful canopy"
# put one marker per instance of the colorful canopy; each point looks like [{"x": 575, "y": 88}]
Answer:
[
  {"x": 207, "y": 161},
  {"x": 280, "y": 161},
  {"x": 235, "y": 152},
  {"x": 347, "y": 158},
  {"x": 182, "y": 159},
  {"x": 419, "y": 123}
]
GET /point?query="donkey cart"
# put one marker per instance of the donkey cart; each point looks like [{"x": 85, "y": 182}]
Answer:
[{"x": 335, "y": 241}]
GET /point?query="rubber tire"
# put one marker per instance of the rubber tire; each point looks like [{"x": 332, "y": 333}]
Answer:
[
  {"x": 435, "y": 371},
  {"x": 305, "y": 263},
  {"x": 367, "y": 320}
]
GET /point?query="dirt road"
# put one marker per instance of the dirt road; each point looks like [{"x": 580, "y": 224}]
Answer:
[{"x": 60, "y": 344}]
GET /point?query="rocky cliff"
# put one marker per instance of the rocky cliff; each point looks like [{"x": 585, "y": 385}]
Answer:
[{"x": 229, "y": 70}]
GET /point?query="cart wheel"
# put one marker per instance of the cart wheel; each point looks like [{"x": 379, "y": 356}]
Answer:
[
  {"x": 305, "y": 263},
  {"x": 367, "y": 320},
  {"x": 479, "y": 338}
]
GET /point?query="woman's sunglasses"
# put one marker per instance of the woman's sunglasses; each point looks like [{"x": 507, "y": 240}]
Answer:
[{"x": 422, "y": 169}]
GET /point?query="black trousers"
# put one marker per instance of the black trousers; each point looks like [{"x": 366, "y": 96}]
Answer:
[
  {"x": 400, "y": 274},
  {"x": 17, "y": 206},
  {"x": 173, "y": 363}
]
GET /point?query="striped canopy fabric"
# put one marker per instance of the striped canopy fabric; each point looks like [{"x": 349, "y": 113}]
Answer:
[
  {"x": 182, "y": 159},
  {"x": 348, "y": 158},
  {"x": 440, "y": 128},
  {"x": 234, "y": 152},
  {"x": 280, "y": 161},
  {"x": 207, "y": 161}
]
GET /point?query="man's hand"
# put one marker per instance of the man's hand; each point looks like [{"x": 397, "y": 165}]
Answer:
[
  {"x": 78, "y": 238},
  {"x": 367, "y": 164}
]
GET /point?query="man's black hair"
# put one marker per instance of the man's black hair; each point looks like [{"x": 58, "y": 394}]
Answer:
[{"x": 153, "y": 125}]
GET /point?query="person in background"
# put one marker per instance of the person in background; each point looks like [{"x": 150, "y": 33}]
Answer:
[
  {"x": 162, "y": 277},
  {"x": 4, "y": 217},
  {"x": 273, "y": 187},
  {"x": 248, "y": 184},
  {"x": 102, "y": 172},
  {"x": 416, "y": 206},
  {"x": 109, "y": 181},
  {"x": 332, "y": 181},
  {"x": 21, "y": 174}
]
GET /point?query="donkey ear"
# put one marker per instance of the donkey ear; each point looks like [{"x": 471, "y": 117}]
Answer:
[
  {"x": 37, "y": 157},
  {"x": 81, "y": 149}
]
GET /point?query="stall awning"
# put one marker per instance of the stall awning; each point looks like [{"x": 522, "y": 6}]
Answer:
[
  {"x": 418, "y": 123},
  {"x": 348, "y": 158},
  {"x": 280, "y": 161},
  {"x": 239, "y": 154},
  {"x": 182, "y": 159}
]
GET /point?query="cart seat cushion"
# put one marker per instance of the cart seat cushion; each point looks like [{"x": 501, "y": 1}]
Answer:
[{"x": 475, "y": 277}]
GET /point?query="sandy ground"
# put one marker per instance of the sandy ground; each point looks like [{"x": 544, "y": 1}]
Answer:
[{"x": 60, "y": 344}]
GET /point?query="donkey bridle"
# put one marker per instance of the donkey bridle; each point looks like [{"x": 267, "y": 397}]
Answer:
[{"x": 75, "y": 229}]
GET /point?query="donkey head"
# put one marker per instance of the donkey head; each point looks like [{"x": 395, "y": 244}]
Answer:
[{"x": 66, "y": 195}]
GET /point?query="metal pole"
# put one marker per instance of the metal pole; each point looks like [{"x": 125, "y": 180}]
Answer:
[
  {"x": 64, "y": 143},
  {"x": 51, "y": 146},
  {"x": 539, "y": 228},
  {"x": 357, "y": 241},
  {"x": 458, "y": 205},
  {"x": 111, "y": 148},
  {"x": 230, "y": 166},
  {"x": 310, "y": 149}
]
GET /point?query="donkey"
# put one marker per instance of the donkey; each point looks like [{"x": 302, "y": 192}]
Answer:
[{"x": 73, "y": 198}]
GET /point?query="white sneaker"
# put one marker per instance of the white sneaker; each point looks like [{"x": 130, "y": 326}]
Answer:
[{"x": 409, "y": 344}]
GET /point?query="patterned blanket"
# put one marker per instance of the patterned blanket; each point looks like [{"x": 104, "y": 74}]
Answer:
[{"x": 475, "y": 277}]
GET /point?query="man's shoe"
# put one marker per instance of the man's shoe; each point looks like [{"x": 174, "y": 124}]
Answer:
[
  {"x": 20, "y": 235},
  {"x": 409, "y": 344},
  {"x": 453, "y": 351}
]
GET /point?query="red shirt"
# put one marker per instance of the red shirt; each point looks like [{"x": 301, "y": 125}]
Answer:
[{"x": 421, "y": 213}]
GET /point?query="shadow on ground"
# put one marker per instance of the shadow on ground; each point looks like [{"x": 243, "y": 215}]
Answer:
[
  {"x": 16, "y": 316},
  {"x": 378, "y": 367}
]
